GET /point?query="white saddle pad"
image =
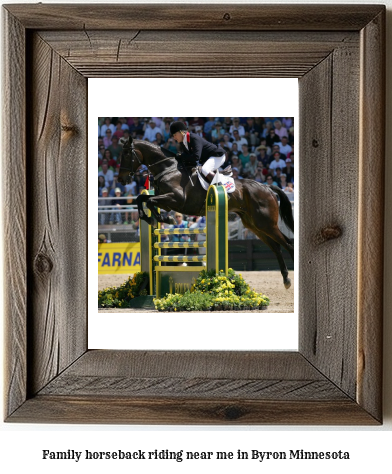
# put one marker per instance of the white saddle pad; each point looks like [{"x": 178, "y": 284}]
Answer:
[{"x": 227, "y": 182}]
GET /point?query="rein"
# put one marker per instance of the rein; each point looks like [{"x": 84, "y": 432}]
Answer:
[{"x": 134, "y": 154}]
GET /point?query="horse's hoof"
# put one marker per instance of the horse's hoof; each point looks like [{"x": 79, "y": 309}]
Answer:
[
  {"x": 287, "y": 283},
  {"x": 171, "y": 220}
]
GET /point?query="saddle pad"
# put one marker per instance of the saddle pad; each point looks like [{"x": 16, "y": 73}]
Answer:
[{"x": 227, "y": 182}]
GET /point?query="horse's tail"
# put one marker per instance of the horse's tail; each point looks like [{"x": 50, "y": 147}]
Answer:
[{"x": 285, "y": 209}]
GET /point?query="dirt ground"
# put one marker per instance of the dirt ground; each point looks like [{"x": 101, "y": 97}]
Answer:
[{"x": 269, "y": 283}]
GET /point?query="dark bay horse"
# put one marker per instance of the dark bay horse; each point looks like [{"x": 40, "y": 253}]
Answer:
[{"x": 256, "y": 204}]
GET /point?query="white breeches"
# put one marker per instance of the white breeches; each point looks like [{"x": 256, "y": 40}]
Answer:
[{"x": 212, "y": 164}]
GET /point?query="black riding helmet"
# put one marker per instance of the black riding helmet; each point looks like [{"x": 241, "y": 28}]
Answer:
[{"x": 177, "y": 127}]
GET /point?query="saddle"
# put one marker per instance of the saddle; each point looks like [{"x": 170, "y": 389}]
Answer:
[{"x": 209, "y": 178}]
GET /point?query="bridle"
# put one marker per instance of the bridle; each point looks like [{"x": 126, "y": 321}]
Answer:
[{"x": 135, "y": 156}]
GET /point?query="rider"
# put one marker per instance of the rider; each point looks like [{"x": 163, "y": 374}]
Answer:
[{"x": 196, "y": 150}]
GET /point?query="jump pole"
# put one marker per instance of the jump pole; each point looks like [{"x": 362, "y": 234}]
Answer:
[{"x": 178, "y": 279}]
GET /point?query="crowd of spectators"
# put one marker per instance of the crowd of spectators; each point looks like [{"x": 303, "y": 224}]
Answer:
[{"x": 259, "y": 148}]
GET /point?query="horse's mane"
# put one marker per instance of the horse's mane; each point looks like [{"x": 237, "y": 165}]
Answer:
[
  {"x": 156, "y": 148},
  {"x": 149, "y": 144}
]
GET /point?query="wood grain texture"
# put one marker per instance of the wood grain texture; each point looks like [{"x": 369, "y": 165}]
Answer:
[
  {"x": 208, "y": 375},
  {"x": 371, "y": 216},
  {"x": 138, "y": 53},
  {"x": 329, "y": 199},
  {"x": 14, "y": 211},
  {"x": 158, "y": 387},
  {"x": 336, "y": 376},
  {"x": 208, "y": 364},
  {"x": 57, "y": 215},
  {"x": 209, "y": 17},
  {"x": 100, "y": 409}
]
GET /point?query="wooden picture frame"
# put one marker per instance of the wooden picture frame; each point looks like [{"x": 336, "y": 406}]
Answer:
[{"x": 338, "y": 54}]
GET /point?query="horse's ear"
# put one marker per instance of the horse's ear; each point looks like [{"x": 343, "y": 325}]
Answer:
[{"x": 123, "y": 141}]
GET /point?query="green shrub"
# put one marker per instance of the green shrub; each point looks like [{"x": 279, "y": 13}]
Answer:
[
  {"x": 120, "y": 297},
  {"x": 215, "y": 291}
]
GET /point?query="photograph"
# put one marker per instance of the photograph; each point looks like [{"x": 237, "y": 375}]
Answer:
[{"x": 236, "y": 248}]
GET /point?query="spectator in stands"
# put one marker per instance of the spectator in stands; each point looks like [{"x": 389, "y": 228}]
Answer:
[
  {"x": 158, "y": 121},
  {"x": 115, "y": 149},
  {"x": 291, "y": 135},
  {"x": 280, "y": 130},
  {"x": 180, "y": 224},
  {"x": 288, "y": 170},
  {"x": 171, "y": 146},
  {"x": 270, "y": 180},
  {"x": 287, "y": 122},
  {"x": 151, "y": 131},
  {"x": 116, "y": 185},
  {"x": 284, "y": 146},
  {"x": 141, "y": 176},
  {"x": 101, "y": 185},
  {"x": 252, "y": 132},
  {"x": 126, "y": 135},
  {"x": 208, "y": 127},
  {"x": 217, "y": 133},
  {"x": 107, "y": 125},
  {"x": 236, "y": 174},
  {"x": 227, "y": 123},
  {"x": 101, "y": 151},
  {"x": 234, "y": 149},
  {"x": 118, "y": 204},
  {"x": 272, "y": 138},
  {"x": 201, "y": 224},
  {"x": 236, "y": 163},
  {"x": 239, "y": 140},
  {"x": 267, "y": 127},
  {"x": 237, "y": 126},
  {"x": 166, "y": 131},
  {"x": 289, "y": 188},
  {"x": 119, "y": 133},
  {"x": 132, "y": 215},
  {"x": 103, "y": 216},
  {"x": 159, "y": 140},
  {"x": 244, "y": 155},
  {"x": 278, "y": 176},
  {"x": 226, "y": 141},
  {"x": 124, "y": 125},
  {"x": 132, "y": 188},
  {"x": 282, "y": 181},
  {"x": 260, "y": 173},
  {"x": 102, "y": 239},
  {"x": 195, "y": 122},
  {"x": 276, "y": 149},
  {"x": 137, "y": 127},
  {"x": 262, "y": 155},
  {"x": 109, "y": 158},
  {"x": 199, "y": 131},
  {"x": 107, "y": 139},
  {"x": 276, "y": 163},
  {"x": 106, "y": 173},
  {"x": 250, "y": 168}
]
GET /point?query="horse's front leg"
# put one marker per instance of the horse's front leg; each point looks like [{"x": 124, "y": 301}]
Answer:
[
  {"x": 142, "y": 215},
  {"x": 167, "y": 202}
]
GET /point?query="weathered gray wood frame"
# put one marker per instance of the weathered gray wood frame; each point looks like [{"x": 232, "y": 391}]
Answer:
[{"x": 337, "y": 52}]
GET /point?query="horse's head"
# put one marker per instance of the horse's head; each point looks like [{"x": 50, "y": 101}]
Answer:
[{"x": 131, "y": 159}]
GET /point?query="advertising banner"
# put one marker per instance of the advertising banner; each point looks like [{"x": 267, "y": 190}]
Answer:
[{"x": 118, "y": 258}]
